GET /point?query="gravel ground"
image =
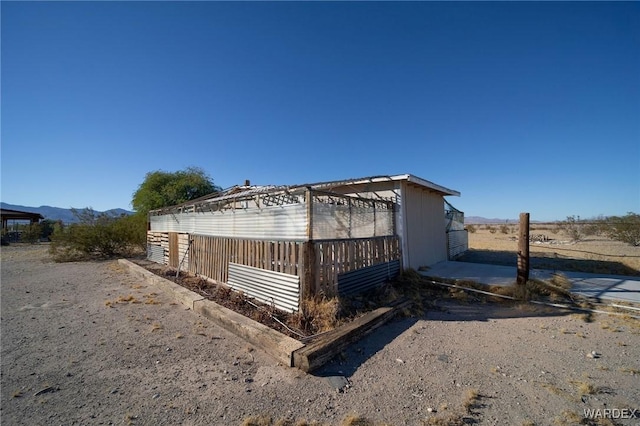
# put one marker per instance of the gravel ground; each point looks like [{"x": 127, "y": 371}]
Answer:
[{"x": 85, "y": 343}]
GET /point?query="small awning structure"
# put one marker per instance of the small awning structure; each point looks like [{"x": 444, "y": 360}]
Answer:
[{"x": 8, "y": 215}]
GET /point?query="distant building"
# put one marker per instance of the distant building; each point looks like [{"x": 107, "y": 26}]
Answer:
[{"x": 15, "y": 217}]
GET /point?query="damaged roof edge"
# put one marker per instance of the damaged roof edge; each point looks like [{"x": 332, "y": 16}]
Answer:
[
  {"x": 372, "y": 179},
  {"x": 240, "y": 191}
]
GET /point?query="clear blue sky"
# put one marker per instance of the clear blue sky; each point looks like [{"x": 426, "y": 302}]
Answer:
[{"x": 529, "y": 106}]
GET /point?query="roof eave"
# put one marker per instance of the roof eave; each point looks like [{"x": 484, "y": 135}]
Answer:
[{"x": 423, "y": 182}]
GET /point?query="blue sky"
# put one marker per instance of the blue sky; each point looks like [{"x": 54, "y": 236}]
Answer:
[{"x": 530, "y": 106}]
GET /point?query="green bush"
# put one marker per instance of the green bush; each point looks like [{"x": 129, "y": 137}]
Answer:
[
  {"x": 99, "y": 236},
  {"x": 504, "y": 229},
  {"x": 471, "y": 228},
  {"x": 31, "y": 233}
]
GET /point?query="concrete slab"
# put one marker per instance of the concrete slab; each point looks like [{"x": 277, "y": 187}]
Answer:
[{"x": 599, "y": 286}]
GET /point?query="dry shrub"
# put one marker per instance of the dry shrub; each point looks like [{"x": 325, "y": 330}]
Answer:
[
  {"x": 261, "y": 420},
  {"x": 472, "y": 396},
  {"x": 318, "y": 314},
  {"x": 533, "y": 290},
  {"x": 355, "y": 420},
  {"x": 450, "y": 420}
]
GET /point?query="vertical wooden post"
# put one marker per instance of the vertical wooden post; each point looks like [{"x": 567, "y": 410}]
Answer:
[
  {"x": 523, "y": 250},
  {"x": 308, "y": 276}
]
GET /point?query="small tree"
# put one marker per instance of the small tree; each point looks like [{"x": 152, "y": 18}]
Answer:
[
  {"x": 571, "y": 227},
  {"x": 625, "y": 228},
  {"x": 162, "y": 189}
]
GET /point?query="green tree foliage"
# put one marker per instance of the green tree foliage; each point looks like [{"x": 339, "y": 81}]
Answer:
[
  {"x": 98, "y": 235},
  {"x": 101, "y": 235},
  {"x": 624, "y": 228},
  {"x": 47, "y": 226},
  {"x": 31, "y": 233},
  {"x": 163, "y": 189}
]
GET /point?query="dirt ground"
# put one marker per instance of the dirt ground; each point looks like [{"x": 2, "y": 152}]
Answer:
[
  {"x": 594, "y": 253},
  {"x": 85, "y": 343}
]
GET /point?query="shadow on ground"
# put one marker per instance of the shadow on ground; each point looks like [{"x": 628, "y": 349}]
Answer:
[
  {"x": 356, "y": 354},
  {"x": 549, "y": 260}
]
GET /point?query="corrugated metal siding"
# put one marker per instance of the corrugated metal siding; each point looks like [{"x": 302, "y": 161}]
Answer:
[
  {"x": 354, "y": 282},
  {"x": 288, "y": 222},
  {"x": 458, "y": 243},
  {"x": 283, "y": 290},
  {"x": 155, "y": 253}
]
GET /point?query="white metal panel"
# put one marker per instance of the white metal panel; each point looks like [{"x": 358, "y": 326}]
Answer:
[
  {"x": 281, "y": 290},
  {"x": 425, "y": 227},
  {"x": 288, "y": 222}
]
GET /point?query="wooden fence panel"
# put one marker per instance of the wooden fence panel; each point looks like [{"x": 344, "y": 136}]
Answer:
[
  {"x": 210, "y": 256},
  {"x": 334, "y": 257}
]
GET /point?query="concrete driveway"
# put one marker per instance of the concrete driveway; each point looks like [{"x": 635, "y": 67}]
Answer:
[{"x": 599, "y": 286}]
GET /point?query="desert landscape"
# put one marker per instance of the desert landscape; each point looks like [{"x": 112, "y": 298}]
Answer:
[
  {"x": 86, "y": 343},
  {"x": 553, "y": 249}
]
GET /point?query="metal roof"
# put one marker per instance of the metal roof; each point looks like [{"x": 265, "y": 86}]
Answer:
[
  {"x": 239, "y": 192},
  {"x": 374, "y": 179},
  {"x": 19, "y": 215}
]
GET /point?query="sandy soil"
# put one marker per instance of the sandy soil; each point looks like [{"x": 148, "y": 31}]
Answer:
[
  {"x": 85, "y": 343},
  {"x": 592, "y": 254}
]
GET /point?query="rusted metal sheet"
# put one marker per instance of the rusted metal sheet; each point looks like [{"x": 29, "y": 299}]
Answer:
[
  {"x": 360, "y": 280},
  {"x": 281, "y": 290}
]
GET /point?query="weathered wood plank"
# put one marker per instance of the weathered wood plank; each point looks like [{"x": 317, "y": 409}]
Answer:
[{"x": 320, "y": 351}]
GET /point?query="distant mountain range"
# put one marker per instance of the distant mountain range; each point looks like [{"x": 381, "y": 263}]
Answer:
[
  {"x": 58, "y": 213},
  {"x": 479, "y": 220}
]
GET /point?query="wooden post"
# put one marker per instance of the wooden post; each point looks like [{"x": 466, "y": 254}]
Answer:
[
  {"x": 523, "y": 250},
  {"x": 308, "y": 276}
]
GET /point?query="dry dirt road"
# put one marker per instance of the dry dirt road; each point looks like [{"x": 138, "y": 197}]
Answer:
[{"x": 85, "y": 343}]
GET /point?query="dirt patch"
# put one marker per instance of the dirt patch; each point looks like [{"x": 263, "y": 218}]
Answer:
[
  {"x": 68, "y": 357},
  {"x": 594, "y": 254},
  {"x": 316, "y": 316}
]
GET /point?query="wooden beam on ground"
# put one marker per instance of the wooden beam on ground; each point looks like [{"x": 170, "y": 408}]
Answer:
[{"x": 317, "y": 353}]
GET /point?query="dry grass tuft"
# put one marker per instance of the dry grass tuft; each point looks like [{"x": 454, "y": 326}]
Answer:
[
  {"x": 318, "y": 314},
  {"x": 632, "y": 371},
  {"x": 472, "y": 396},
  {"x": 127, "y": 299},
  {"x": 356, "y": 420},
  {"x": 568, "y": 418},
  {"x": 261, "y": 420},
  {"x": 449, "y": 420}
]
